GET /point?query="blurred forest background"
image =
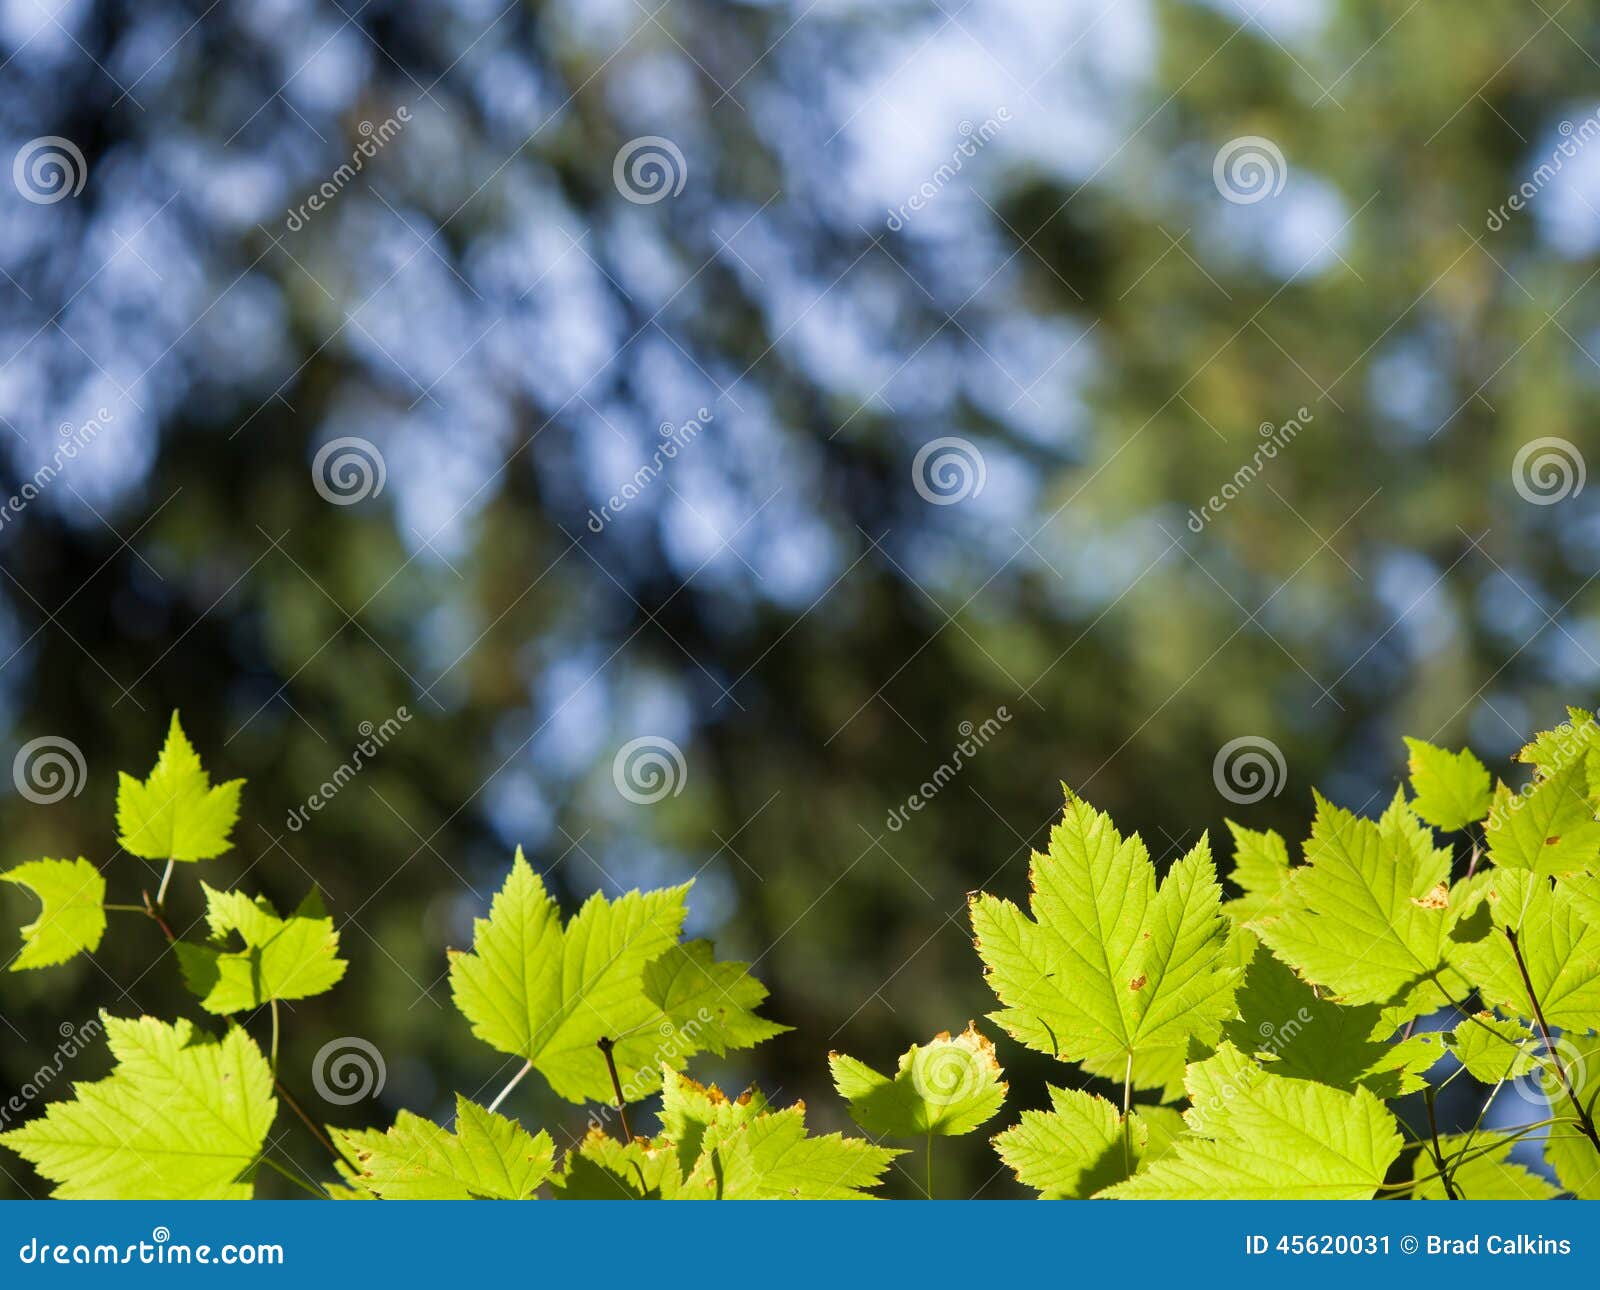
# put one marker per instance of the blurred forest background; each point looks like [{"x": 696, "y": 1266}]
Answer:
[{"x": 1003, "y": 222}]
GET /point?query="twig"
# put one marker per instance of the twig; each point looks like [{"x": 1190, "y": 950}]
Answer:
[
  {"x": 1438, "y": 1152},
  {"x": 1585, "y": 1121},
  {"x": 606, "y": 1046}
]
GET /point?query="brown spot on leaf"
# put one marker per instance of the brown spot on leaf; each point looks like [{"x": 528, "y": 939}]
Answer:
[
  {"x": 1437, "y": 898},
  {"x": 1138, "y": 982}
]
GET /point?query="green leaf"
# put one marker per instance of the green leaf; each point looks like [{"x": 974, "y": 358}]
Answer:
[
  {"x": 1560, "y": 948},
  {"x": 488, "y": 1157},
  {"x": 282, "y": 958},
  {"x": 1261, "y": 869},
  {"x": 946, "y": 1087},
  {"x": 1493, "y": 1049},
  {"x": 175, "y": 814},
  {"x": 1488, "y": 1174},
  {"x": 1550, "y": 829},
  {"x": 181, "y": 1117},
  {"x": 1076, "y": 1148},
  {"x": 715, "y": 1148},
  {"x": 1108, "y": 965},
  {"x": 1256, "y": 1136},
  {"x": 73, "y": 917},
  {"x": 1452, "y": 789},
  {"x": 1566, "y": 1149},
  {"x": 1299, "y": 1034},
  {"x": 1575, "y": 740},
  {"x": 1369, "y": 915},
  {"x": 545, "y": 993},
  {"x": 712, "y": 1003},
  {"x": 601, "y": 1168}
]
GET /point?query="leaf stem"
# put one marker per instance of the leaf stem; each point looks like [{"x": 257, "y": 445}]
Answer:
[
  {"x": 1127, "y": 1119},
  {"x": 930, "y": 1164},
  {"x": 274, "y": 1058},
  {"x": 298, "y": 1181},
  {"x": 515, "y": 1080},
  {"x": 606, "y": 1045},
  {"x": 1585, "y": 1121},
  {"x": 1438, "y": 1152},
  {"x": 161, "y": 891}
]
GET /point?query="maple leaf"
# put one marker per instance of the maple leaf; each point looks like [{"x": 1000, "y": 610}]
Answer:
[
  {"x": 712, "y": 1147},
  {"x": 1548, "y": 828},
  {"x": 1494, "y": 1049},
  {"x": 1261, "y": 870},
  {"x": 547, "y": 993},
  {"x": 176, "y": 814},
  {"x": 1109, "y": 966},
  {"x": 1559, "y": 946},
  {"x": 1451, "y": 789},
  {"x": 1255, "y": 1136},
  {"x": 1077, "y": 1148},
  {"x": 1300, "y": 1034},
  {"x": 72, "y": 917},
  {"x": 282, "y": 958},
  {"x": 1368, "y": 917},
  {"x": 487, "y": 1157},
  {"x": 946, "y": 1087},
  {"x": 181, "y": 1117}
]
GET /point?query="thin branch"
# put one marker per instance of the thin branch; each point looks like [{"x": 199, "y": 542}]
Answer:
[
  {"x": 1585, "y": 1121},
  {"x": 1438, "y": 1152},
  {"x": 606, "y": 1045}
]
